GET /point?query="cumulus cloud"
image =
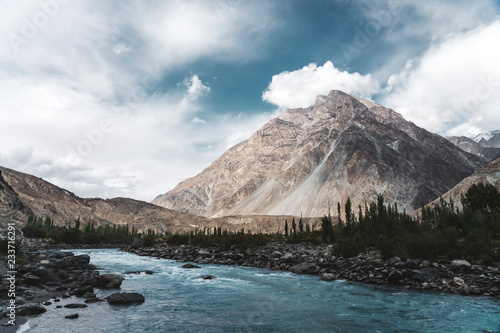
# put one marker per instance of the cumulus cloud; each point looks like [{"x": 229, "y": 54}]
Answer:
[
  {"x": 195, "y": 87},
  {"x": 454, "y": 87},
  {"x": 301, "y": 87}
]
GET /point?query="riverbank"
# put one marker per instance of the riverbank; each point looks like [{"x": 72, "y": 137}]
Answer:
[
  {"x": 457, "y": 276},
  {"x": 50, "y": 277}
]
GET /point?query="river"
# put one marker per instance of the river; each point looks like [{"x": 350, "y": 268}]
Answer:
[{"x": 243, "y": 299}]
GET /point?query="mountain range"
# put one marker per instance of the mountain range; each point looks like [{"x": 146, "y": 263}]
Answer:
[
  {"x": 23, "y": 194},
  {"x": 300, "y": 164},
  {"x": 309, "y": 159},
  {"x": 484, "y": 145}
]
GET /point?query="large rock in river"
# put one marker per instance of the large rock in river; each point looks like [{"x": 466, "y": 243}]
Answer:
[
  {"x": 125, "y": 298},
  {"x": 110, "y": 281}
]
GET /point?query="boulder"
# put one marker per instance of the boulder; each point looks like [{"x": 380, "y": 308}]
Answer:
[
  {"x": 30, "y": 310},
  {"x": 327, "y": 277},
  {"x": 75, "y": 306},
  {"x": 72, "y": 316},
  {"x": 288, "y": 257},
  {"x": 394, "y": 260},
  {"x": 32, "y": 280},
  {"x": 306, "y": 268},
  {"x": 424, "y": 264},
  {"x": 395, "y": 276},
  {"x": 125, "y": 298},
  {"x": 74, "y": 262},
  {"x": 190, "y": 266},
  {"x": 47, "y": 276},
  {"x": 207, "y": 277},
  {"x": 460, "y": 265},
  {"x": 458, "y": 281},
  {"x": 464, "y": 289},
  {"x": 110, "y": 281}
]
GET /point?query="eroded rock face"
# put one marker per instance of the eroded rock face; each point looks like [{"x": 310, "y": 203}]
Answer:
[{"x": 308, "y": 159}]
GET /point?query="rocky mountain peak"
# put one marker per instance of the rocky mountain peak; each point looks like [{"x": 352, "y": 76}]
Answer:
[{"x": 308, "y": 159}]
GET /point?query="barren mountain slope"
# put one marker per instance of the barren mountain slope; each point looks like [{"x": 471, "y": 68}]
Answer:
[
  {"x": 308, "y": 159},
  {"x": 21, "y": 194},
  {"x": 490, "y": 174}
]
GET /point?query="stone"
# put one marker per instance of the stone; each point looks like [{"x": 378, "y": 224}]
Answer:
[
  {"x": 464, "y": 289},
  {"x": 125, "y": 298},
  {"x": 460, "y": 265},
  {"x": 288, "y": 257},
  {"x": 458, "y": 281},
  {"x": 207, "y": 277},
  {"x": 32, "y": 280},
  {"x": 75, "y": 306},
  {"x": 424, "y": 264},
  {"x": 327, "y": 277},
  {"x": 394, "y": 260},
  {"x": 110, "y": 281},
  {"x": 72, "y": 316},
  {"x": 306, "y": 268},
  {"x": 395, "y": 276},
  {"x": 190, "y": 266},
  {"x": 30, "y": 310}
]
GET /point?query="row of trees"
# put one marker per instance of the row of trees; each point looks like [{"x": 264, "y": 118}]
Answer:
[
  {"x": 441, "y": 231},
  {"x": 38, "y": 227}
]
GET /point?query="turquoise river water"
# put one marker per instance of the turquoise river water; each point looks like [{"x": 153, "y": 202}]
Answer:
[{"x": 245, "y": 299}]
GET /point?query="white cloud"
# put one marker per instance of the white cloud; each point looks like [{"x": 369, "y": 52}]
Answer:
[
  {"x": 122, "y": 48},
  {"x": 183, "y": 31},
  {"x": 454, "y": 86},
  {"x": 96, "y": 61},
  {"x": 198, "y": 120},
  {"x": 301, "y": 87},
  {"x": 195, "y": 87},
  {"x": 409, "y": 28}
]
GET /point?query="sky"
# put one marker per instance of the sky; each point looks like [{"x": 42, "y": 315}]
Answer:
[{"x": 129, "y": 98}]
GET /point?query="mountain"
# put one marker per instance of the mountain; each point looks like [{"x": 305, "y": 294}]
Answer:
[
  {"x": 491, "y": 138},
  {"x": 490, "y": 174},
  {"x": 308, "y": 159},
  {"x": 22, "y": 194},
  {"x": 482, "y": 150}
]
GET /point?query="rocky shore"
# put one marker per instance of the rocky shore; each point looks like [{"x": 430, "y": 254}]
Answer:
[
  {"x": 46, "y": 276},
  {"x": 457, "y": 276}
]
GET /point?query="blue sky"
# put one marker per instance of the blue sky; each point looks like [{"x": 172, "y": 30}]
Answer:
[{"x": 128, "y": 98}]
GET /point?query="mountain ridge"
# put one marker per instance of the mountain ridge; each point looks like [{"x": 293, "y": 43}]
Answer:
[
  {"x": 22, "y": 194},
  {"x": 308, "y": 159}
]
